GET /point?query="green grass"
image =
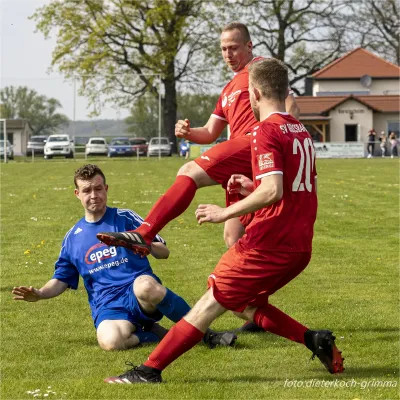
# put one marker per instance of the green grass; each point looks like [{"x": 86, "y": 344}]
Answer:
[{"x": 350, "y": 286}]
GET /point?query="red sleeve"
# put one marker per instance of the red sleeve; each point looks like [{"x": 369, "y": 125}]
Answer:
[
  {"x": 267, "y": 151},
  {"x": 218, "y": 110}
]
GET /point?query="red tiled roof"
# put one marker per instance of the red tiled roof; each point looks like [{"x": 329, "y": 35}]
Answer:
[
  {"x": 381, "y": 103},
  {"x": 357, "y": 63},
  {"x": 315, "y": 105}
]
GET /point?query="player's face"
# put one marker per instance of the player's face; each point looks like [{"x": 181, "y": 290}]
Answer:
[
  {"x": 254, "y": 103},
  {"x": 93, "y": 194},
  {"x": 236, "y": 53}
]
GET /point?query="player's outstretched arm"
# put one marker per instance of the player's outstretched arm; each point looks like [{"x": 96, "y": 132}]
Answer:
[
  {"x": 240, "y": 184},
  {"x": 159, "y": 250},
  {"x": 204, "y": 135},
  {"x": 52, "y": 288}
]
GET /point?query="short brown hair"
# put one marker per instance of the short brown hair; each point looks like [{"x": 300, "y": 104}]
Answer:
[
  {"x": 239, "y": 26},
  {"x": 270, "y": 76},
  {"x": 87, "y": 172}
]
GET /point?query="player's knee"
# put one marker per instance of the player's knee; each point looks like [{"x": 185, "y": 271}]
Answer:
[
  {"x": 149, "y": 291},
  {"x": 194, "y": 171},
  {"x": 111, "y": 343},
  {"x": 188, "y": 169},
  {"x": 230, "y": 240}
]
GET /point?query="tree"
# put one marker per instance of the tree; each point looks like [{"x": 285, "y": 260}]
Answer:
[
  {"x": 143, "y": 121},
  {"x": 376, "y": 26},
  {"x": 197, "y": 108},
  {"x": 39, "y": 111},
  {"x": 305, "y": 34},
  {"x": 119, "y": 47}
]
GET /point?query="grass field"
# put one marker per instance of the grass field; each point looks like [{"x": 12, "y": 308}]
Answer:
[{"x": 351, "y": 287}]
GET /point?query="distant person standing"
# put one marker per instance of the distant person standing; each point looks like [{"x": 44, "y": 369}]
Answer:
[
  {"x": 382, "y": 139},
  {"x": 393, "y": 145},
  {"x": 371, "y": 143},
  {"x": 184, "y": 148}
]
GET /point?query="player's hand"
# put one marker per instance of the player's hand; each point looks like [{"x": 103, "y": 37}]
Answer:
[
  {"x": 182, "y": 128},
  {"x": 240, "y": 184},
  {"x": 210, "y": 213},
  {"x": 26, "y": 293}
]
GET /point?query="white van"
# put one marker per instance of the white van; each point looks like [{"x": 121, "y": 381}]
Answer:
[{"x": 59, "y": 145}]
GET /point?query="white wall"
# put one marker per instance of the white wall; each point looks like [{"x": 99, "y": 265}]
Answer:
[
  {"x": 378, "y": 86},
  {"x": 17, "y": 142},
  {"x": 340, "y": 116},
  {"x": 381, "y": 121}
]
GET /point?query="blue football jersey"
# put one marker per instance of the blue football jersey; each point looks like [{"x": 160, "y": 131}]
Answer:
[{"x": 106, "y": 271}]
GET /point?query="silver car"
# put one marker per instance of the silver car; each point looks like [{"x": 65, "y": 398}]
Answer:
[
  {"x": 159, "y": 145},
  {"x": 10, "y": 151},
  {"x": 36, "y": 145}
]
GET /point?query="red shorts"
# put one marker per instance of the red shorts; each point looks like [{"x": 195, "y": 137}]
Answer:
[
  {"x": 239, "y": 280},
  {"x": 225, "y": 159}
]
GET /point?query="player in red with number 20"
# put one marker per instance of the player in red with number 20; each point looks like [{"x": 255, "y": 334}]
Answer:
[{"x": 277, "y": 244}]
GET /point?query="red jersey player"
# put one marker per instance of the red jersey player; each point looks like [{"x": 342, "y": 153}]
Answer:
[
  {"x": 217, "y": 164},
  {"x": 277, "y": 244}
]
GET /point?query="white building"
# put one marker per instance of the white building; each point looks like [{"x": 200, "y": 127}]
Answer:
[
  {"x": 353, "y": 94},
  {"x": 18, "y": 133}
]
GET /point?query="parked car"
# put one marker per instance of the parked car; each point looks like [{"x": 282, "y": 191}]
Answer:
[
  {"x": 59, "y": 145},
  {"x": 139, "y": 145},
  {"x": 36, "y": 145},
  {"x": 96, "y": 145},
  {"x": 9, "y": 150},
  {"x": 120, "y": 147},
  {"x": 159, "y": 145}
]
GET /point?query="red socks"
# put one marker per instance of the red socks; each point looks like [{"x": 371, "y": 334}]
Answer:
[
  {"x": 181, "y": 338},
  {"x": 274, "y": 320},
  {"x": 169, "y": 206}
]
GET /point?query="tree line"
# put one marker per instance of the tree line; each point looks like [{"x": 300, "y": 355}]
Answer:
[{"x": 130, "y": 49}]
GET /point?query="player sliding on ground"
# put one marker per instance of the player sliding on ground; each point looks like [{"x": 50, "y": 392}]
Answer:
[
  {"x": 126, "y": 298},
  {"x": 277, "y": 244}
]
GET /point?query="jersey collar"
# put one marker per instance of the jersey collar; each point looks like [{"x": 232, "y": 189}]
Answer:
[{"x": 277, "y": 112}]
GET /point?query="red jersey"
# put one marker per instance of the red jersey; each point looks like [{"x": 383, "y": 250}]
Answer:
[
  {"x": 233, "y": 106},
  {"x": 281, "y": 145}
]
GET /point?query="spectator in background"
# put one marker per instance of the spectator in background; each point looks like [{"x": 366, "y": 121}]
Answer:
[
  {"x": 382, "y": 139},
  {"x": 371, "y": 142},
  {"x": 184, "y": 148},
  {"x": 393, "y": 145}
]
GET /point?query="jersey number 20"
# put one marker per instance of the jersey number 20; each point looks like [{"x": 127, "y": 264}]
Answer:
[{"x": 307, "y": 154}]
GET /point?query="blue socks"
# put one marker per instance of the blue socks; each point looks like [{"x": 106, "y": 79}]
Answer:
[
  {"x": 147, "y": 337},
  {"x": 173, "y": 306}
]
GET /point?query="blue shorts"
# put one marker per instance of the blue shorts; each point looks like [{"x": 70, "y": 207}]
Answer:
[{"x": 126, "y": 307}]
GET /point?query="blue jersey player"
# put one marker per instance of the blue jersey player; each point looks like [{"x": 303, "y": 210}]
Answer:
[{"x": 125, "y": 296}]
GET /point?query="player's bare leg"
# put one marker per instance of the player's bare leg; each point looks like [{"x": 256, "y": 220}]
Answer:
[
  {"x": 233, "y": 231},
  {"x": 321, "y": 343},
  {"x": 154, "y": 297},
  {"x": 182, "y": 337},
  {"x": 117, "y": 335},
  {"x": 169, "y": 206}
]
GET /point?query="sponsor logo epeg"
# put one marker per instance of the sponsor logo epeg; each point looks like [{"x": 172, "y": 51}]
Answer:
[{"x": 99, "y": 252}]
